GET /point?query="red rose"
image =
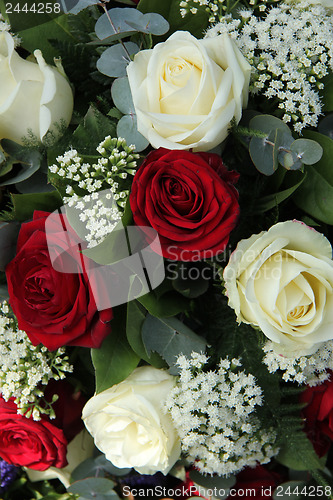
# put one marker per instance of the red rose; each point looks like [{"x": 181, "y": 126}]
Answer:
[
  {"x": 68, "y": 407},
  {"x": 319, "y": 415},
  {"x": 28, "y": 443},
  {"x": 189, "y": 199},
  {"x": 52, "y": 307},
  {"x": 260, "y": 481}
]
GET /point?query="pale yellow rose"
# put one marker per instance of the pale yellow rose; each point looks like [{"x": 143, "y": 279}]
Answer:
[
  {"x": 281, "y": 281},
  {"x": 187, "y": 91},
  {"x": 129, "y": 425},
  {"x": 33, "y": 96}
]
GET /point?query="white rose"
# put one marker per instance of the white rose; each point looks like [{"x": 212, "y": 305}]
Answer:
[
  {"x": 128, "y": 424},
  {"x": 33, "y": 96},
  {"x": 187, "y": 91},
  {"x": 281, "y": 281}
]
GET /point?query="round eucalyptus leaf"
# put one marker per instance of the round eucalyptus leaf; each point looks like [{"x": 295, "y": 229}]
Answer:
[
  {"x": 307, "y": 151},
  {"x": 212, "y": 481},
  {"x": 93, "y": 488},
  {"x": 127, "y": 128},
  {"x": 152, "y": 23},
  {"x": 290, "y": 490},
  {"x": 120, "y": 17},
  {"x": 122, "y": 95},
  {"x": 75, "y": 6},
  {"x": 114, "y": 60},
  {"x": 268, "y": 123},
  {"x": 264, "y": 151},
  {"x": 2, "y": 157},
  {"x": 326, "y": 126}
]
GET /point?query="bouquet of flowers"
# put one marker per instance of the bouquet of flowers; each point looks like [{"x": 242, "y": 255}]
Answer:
[{"x": 166, "y": 190}]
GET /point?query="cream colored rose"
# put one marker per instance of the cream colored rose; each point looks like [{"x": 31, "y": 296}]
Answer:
[
  {"x": 187, "y": 91},
  {"x": 281, "y": 281},
  {"x": 128, "y": 424},
  {"x": 33, "y": 96}
]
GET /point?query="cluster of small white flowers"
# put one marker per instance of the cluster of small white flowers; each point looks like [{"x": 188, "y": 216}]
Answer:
[
  {"x": 311, "y": 370},
  {"x": 26, "y": 368},
  {"x": 213, "y": 414},
  {"x": 217, "y": 8},
  {"x": 291, "y": 51},
  {"x": 106, "y": 184}
]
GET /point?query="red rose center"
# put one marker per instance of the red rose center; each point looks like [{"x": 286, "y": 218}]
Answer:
[{"x": 37, "y": 290}]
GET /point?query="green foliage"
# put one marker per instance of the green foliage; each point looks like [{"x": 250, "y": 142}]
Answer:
[
  {"x": 24, "y": 205},
  {"x": 136, "y": 315},
  {"x": 169, "y": 337},
  {"x": 170, "y": 10},
  {"x": 98, "y": 488},
  {"x": 97, "y": 467},
  {"x": 28, "y": 161},
  {"x": 315, "y": 195},
  {"x": 163, "y": 301},
  {"x": 277, "y": 146},
  {"x": 8, "y": 237},
  {"x": 296, "y": 451},
  {"x": 114, "y": 60},
  {"x": 115, "y": 359},
  {"x": 93, "y": 129}
]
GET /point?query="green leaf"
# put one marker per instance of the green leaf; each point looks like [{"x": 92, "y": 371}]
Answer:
[
  {"x": 327, "y": 92},
  {"x": 315, "y": 195},
  {"x": 286, "y": 490},
  {"x": 94, "y": 488},
  {"x": 115, "y": 359},
  {"x": 122, "y": 96},
  {"x": 297, "y": 453},
  {"x": 8, "y": 237},
  {"x": 308, "y": 151},
  {"x": 127, "y": 128},
  {"x": 272, "y": 200},
  {"x": 209, "y": 482},
  {"x": 326, "y": 126},
  {"x": 26, "y": 204},
  {"x": 114, "y": 60},
  {"x": 94, "y": 128},
  {"x": 189, "y": 280},
  {"x": 97, "y": 467},
  {"x": 136, "y": 315},
  {"x": 67, "y": 7},
  {"x": 170, "y": 10},
  {"x": 164, "y": 304},
  {"x": 38, "y": 37},
  {"x": 169, "y": 337}
]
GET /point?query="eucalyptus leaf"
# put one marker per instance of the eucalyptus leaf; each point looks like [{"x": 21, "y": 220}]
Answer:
[
  {"x": 93, "y": 488},
  {"x": 75, "y": 6},
  {"x": 127, "y": 128},
  {"x": 122, "y": 95},
  {"x": 212, "y": 481},
  {"x": 268, "y": 124},
  {"x": 307, "y": 150},
  {"x": 115, "y": 59},
  {"x": 2, "y": 157},
  {"x": 169, "y": 337},
  {"x": 116, "y": 22},
  {"x": 37, "y": 183},
  {"x": 152, "y": 23},
  {"x": 289, "y": 491},
  {"x": 136, "y": 315}
]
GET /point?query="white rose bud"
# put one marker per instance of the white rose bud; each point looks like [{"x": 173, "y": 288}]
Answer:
[
  {"x": 129, "y": 425},
  {"x": 33, "y": 96},
  {"x": 187, "y": 91},
  {"x": 281, "y": 280}
]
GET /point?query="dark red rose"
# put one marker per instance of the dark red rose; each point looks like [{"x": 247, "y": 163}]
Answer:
[
  {"x": 318, "y": 415},
  {"x": 68, "y": 407},
  {"x": 189, "y": 199},
  {"x": 28, "y": 443},
  {"x": 54, "y": 308},
  {"x": 260, "y": 481}
]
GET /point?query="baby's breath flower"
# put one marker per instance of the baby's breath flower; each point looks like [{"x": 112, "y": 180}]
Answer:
[
  {"x": 99, "y": 190},
  {"x": 214, "y": 414},
  {"x": 291, "y": 51},
  {"x": 25, "y": 368},
  {"x": 311, "y": 370}
]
